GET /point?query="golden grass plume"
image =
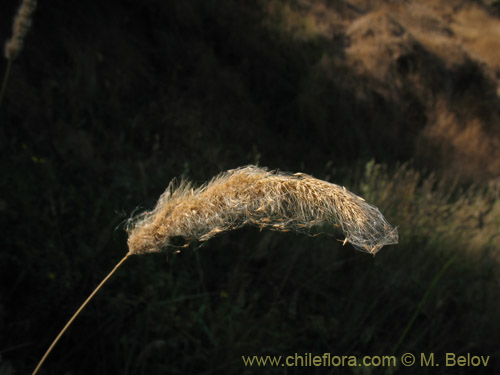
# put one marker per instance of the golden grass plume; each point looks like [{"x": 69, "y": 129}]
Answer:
[
  {"x": 13, "y": 47},
  {"x": 20, "y": 27},
  {"x": 265, "y": 199}
]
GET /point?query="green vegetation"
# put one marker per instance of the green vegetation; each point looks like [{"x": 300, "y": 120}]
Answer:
[{"x": 111, "y": 100}]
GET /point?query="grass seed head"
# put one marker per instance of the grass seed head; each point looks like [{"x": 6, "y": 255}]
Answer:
[
  {"x": 258, "y": 197},
  {"x": 20, "y": 27}
]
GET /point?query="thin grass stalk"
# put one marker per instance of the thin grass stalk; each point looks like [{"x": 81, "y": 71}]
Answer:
[
  {"x": 5, "y": 80},
  {"x": 56, "y": 340}
]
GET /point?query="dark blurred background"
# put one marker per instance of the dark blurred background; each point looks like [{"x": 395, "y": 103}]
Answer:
[{"x": 110, "y": 100}]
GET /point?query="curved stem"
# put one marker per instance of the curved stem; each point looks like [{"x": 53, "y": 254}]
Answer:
[
  {"x": 5, "y": 79},
  {"x": 78, "y": 312}
]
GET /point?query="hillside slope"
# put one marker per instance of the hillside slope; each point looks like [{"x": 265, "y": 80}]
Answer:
[{"x": 438, "y": 61}]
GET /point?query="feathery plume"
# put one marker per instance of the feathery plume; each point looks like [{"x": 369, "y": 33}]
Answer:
[
  {"x": 13, "y": 47},
  {"x": 20, "y": 27},
  {"x": 255, "y": 196}
]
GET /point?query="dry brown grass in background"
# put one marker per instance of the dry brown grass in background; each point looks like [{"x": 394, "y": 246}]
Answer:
[
  {"x": 255, "y": 196},
  {"x": 438, "y": 209},
  {"x": 479, "y": 33},
  {"x": 463, "y": 146},
  {"x": 440, "y": 58}
]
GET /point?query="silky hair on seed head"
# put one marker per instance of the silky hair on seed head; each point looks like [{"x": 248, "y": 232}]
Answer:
[{"x": 265, "y": 199}]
